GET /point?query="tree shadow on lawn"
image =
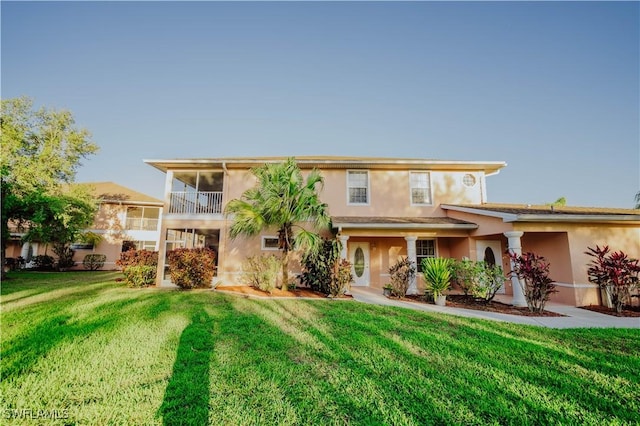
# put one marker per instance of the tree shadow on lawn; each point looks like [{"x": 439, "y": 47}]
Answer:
[
  {"x": 333, "y": 366},
  {"x": 186, "y": 398}
]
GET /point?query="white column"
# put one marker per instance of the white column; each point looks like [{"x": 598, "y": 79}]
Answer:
[
  {"x": 515, "y": 246},
  {"x": 343, "y": 243},
  {"x": 411, "y": 255}
]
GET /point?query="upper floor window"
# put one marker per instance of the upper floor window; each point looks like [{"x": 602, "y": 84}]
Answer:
[
  {"x": 358, "y": 187},
  {"x": 142, "y": 218},
  {"x": 420, "y": 183}
]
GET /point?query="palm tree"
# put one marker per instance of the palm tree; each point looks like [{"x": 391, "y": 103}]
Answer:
[
  {"x": 282, "y": 199},
  {"x": 637, "y": 200}
]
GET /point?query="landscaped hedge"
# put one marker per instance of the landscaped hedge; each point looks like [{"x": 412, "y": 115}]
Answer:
[
  {"x": 94, "y": 261},
  {"x": 191, "y": 268},
  {"x": 140, "y": 275},
  {"x": 137, "y": 258},
  {"x": 139, "y": 267}
]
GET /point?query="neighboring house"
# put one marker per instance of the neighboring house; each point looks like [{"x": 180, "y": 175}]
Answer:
[
  {"x": 124, "y": 217},
  {"x": 385, "y": 208}
]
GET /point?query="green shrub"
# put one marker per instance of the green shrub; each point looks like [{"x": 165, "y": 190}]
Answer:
[
  {"x": 402, "y": 273},
  {"x": 341, "y": 278},
  {"x": 261, "y": 272},
  {"x": 43, "y": 262},
  {"x": 140, "y": 276},
  {"x": 477, "y": 279},
  {"x": 465, "y": 272},
  {"x": 533, "y": 270},
  {"x": 137, "y": 258},
  {"x": 490, "y": 280},
  {"x": 94, "y": 261},
  {"x": 318, "y": 266},
  {"x": 65, "y": 258},
  {"x": 191, "y": 268},
  {"x": 143, "y": 262}
]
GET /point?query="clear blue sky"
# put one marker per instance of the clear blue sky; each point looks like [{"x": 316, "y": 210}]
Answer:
[{"x": 550, "y": 88}]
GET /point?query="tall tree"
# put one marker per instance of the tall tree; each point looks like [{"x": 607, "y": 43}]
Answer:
[
  {"x": 637, "y": 200},
  {"x": 41, "y": 151},
  {"x": 284, "y": 200},
  {"x": 60, "y": 220}
]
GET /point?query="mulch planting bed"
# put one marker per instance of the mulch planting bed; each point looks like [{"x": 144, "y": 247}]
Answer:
[
  {"x": 627, "y": 311},
  {"x": 276, "y": 292},
  {"x": 461, "y": 301}
]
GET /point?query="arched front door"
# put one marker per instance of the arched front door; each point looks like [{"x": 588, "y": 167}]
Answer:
[{"x": 359, "y": 258}]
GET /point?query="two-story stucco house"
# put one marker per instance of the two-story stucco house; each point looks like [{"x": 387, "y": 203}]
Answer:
[
  {"x": 385, "y": 208},
  {"x": 125, "y": 218}
]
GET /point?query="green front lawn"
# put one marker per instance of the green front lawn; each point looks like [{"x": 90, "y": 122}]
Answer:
[{"x": 81, "y": 346}]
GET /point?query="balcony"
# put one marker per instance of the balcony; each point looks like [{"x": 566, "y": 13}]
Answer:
[{"x": 190, "y": 202}]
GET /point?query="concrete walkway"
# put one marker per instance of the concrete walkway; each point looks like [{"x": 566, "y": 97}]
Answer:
[{"x": 576, "y": 317}]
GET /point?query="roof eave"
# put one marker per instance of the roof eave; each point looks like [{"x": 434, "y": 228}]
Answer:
[
  {"x": 509, "y": 217},
  {"x": 429, "y": 226},
  {"x": 577, "y": 218},
  {"x": 488, "y": 167},
  {"x": 506, "y": 217}
]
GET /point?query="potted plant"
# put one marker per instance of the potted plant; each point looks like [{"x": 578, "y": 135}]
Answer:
[
  {"x": 437, "y": 276},
  {"x": 386, "y": 290}
]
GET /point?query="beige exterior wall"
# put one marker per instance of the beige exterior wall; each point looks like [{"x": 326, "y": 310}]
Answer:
[
  {"x": 573, "y": 269},
  {"x": 109, "y": 223},
  {"x": 390, "y": 193}
]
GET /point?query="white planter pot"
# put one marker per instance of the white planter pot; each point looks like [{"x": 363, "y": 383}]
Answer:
[{"x": 441, "y": 300}]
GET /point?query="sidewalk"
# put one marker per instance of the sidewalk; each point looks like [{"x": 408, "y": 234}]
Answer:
[{"x": 576, "y": 317}]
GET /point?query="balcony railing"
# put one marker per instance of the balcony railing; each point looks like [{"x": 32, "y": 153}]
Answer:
[
  {"x": 209, "y": 202},
  {"x": 141, "y": 223}
]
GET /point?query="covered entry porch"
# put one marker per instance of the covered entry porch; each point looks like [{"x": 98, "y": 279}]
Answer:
[{"x": 374, "y": 244}]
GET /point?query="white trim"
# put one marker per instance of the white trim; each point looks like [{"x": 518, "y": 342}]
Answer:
[
  {"x": 264, "y": 247},
  {"x": 430, "y": 188},
  {"x": 512, "y": 217},
  {"x": 489, "y": 167},
  {"x": 349, "y": 203},
  {"x": 194, "y": 216},
  {"x": 568, "y": 285},
  {"x": 577, "y": 218},
  {"x": 507, "y": 217},
  {"x": 348, "y": 225}
]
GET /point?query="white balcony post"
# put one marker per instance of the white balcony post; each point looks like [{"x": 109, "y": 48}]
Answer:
[
  {"x": 413, "y": 258},
  {"x": 515, "y": 246},
  {"x": 343, "y": 246}
]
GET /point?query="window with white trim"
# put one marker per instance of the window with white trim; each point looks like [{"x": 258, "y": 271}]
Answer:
[
  {"x": 420, "y": 184},
  {"x": 270, "y": 243},
  {"x": 358, "y": 186},
  {"x": 424, "y": 249}
]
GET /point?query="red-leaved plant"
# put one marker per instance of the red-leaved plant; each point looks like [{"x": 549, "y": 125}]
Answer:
[
  {"x": 138, "y": 267},
  {"x": 191, "y": 268},
  {"x": 137, "y": 258},
  {"x": 615, "y": 272},
  {"x": 533, "y": 270}
]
